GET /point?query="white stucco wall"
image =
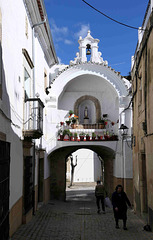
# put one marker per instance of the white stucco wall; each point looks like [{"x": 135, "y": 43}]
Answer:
[
  {"x": 93, "y": 86},
  {"x": 123, "y": 160},
  {"x": 105, "y": 85},
  {"x": 13, "y": 41},
  {"x": 88, "y": 167}
]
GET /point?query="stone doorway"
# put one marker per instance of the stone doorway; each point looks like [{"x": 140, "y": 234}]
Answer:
[{"x": 58, "y": 169}]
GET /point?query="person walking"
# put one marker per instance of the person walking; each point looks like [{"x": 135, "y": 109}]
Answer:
[
  {"x": 119, "y": 202},
  {"x": 100, "y": 196}
]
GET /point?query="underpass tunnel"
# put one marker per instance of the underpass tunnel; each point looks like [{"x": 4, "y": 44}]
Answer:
[{"x": 58, "y": 161}]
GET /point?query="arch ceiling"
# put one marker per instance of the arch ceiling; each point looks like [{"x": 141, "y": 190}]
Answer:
[
  {"x": 105, "y": 151},
  {"x": 63, "y": 78}
]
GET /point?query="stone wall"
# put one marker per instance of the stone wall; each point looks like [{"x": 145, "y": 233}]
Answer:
[{"x": 142, "y": 76}]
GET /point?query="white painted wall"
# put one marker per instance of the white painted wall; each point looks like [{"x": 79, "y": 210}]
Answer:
[
  {"x": 123, "y": 165},
  {"x": 93, "y": 86},
  {"x": 88, "y": 167},
  {"x": 13, "y": 41}
]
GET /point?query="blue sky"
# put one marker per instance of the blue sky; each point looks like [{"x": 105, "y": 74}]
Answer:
[{"x": 70, "y": 19}]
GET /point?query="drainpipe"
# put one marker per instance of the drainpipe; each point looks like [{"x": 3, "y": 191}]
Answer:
[
  {"x": 34, "y": 119},
  {"x": 33, "y": 51}
]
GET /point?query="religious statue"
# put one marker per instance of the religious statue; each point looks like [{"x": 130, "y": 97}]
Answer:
[{"x": 86, "y": 112}]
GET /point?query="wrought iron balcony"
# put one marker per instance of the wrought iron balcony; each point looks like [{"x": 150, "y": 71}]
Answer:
[{"x": 33, "y": 116}]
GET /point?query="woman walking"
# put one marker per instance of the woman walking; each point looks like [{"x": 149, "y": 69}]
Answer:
[{"x": 120, "y": 201}]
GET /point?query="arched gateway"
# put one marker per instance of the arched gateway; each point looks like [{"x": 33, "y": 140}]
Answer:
[
  {"x": 102, "y": 92},
  {"x": 58, "y": 159}
]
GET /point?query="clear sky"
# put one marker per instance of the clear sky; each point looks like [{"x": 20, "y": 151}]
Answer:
[{"x": 70, "y": 19}]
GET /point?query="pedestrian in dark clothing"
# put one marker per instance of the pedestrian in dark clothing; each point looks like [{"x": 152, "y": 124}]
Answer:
[
  {"x": 120, "y": 201},
  {"x": 100, "y": 196}
]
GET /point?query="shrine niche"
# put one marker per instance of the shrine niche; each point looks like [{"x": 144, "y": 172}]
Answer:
[{"x": 90, "y": 107}]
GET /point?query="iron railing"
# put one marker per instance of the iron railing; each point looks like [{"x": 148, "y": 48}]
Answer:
[{"x": 33, "y": 115}]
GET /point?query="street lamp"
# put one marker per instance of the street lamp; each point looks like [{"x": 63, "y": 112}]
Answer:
[{"x": 124, "y": 129}]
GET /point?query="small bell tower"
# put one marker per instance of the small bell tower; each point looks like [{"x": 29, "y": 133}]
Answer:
[{"x": 88, "y": 46}]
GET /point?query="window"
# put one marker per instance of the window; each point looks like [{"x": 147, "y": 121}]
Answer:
[
  {"x": 28, "y": 66},
  {"x": 27, "y": 84}
]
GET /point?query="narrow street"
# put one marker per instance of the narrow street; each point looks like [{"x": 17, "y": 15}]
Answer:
[{"x": 77, "y": 219}]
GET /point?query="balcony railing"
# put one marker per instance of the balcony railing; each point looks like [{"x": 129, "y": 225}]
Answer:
[
  {"x": 33, "y": 116},
  {"x": 100, "y": 132},
  {"x": 89, "y": 126}
]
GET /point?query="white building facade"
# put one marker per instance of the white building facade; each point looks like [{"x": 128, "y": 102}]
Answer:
[
  {"x": 27, "y": 54},
  {"x": 36, "y": 94},
  {"x": 93, "y": 90}
]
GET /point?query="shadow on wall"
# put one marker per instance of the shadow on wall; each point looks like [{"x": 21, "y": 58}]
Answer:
[{"x": 15, "y": 173}]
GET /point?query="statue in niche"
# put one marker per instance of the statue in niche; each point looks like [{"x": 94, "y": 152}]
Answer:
[
  {"x": 86, "y": 118},
  {"x": 86, "y": 113}
]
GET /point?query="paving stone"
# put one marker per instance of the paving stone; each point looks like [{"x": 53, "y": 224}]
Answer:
[{"x": 78, "y": 220}]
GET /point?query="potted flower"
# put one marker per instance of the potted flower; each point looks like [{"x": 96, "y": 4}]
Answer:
[
  {"x": 93, "y": 136},
  {"x": 62, "y": 123},
  {"x": 73, "y": 119},
  {"x": 101, "y": 123},
  {"x": 68, "y": 122},
  {"x": 60, "y": 134},
  {"x": 87, "y": 137},
  {"x": 100, "y": 137},
  {"x": 106, "y": 136},
  {"x": 81, "y": 135},
  {"x": 75, "y": 136},
  {"x": 70, "y": 112},
  {"x": 106, "y": 122},
  {"x": 66, "y": 132},
  {"x": 71, "y": 136},
  {"x": 112, "y": 123}
]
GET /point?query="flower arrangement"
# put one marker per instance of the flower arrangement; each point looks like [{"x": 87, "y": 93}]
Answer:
[
  {"x": 100, "y": 137},
  {"x": 70, "y": 136},
  {"x": 73, "y": 119},
  {"x": 62, "y": 123},
  {"x": 87, "y": 137},
  {"x": 66, "y": 132},
  {"x": 105, "y": 122},
  {"x": 60, "y": 132},
  {"x": 75, "y": 136},
  {"x": 82, "y": 134},
  {"x": 68, "y": 122},
  {"x": 93, "y": 135},
  {"x": 71, "y": 112}
]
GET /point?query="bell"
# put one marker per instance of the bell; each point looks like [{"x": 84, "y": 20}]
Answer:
[{"x": 88, "y": 52}]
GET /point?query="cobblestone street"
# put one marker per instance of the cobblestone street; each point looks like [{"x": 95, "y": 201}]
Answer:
[{"x": 77, "y": 219}]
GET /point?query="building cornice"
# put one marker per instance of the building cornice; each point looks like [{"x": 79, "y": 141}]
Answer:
[{"x": 37, "y": 13}]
